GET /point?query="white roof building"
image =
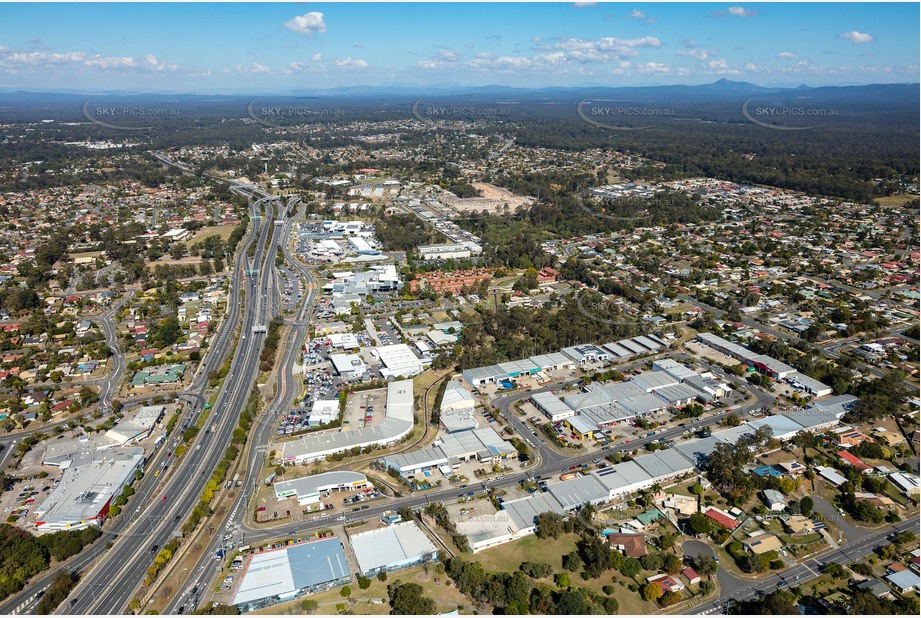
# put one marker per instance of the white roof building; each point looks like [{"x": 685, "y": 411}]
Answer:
[
  {"x": 392, "y": 548},
  {"x": 398, "y": 360}
]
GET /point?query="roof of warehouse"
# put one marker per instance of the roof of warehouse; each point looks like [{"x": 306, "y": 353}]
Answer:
[
  {"x": 622, "y": 475},
  {"x": 576, "y": 492},
  {"x": 307, "y": 485},
  {"x": 391, "y": 545},
  {"x": 286, "y": 570},
  {"x": 550, "y": 402},
  {"x": 664, "y": 463},
  {"x": 525, "y": 510}
]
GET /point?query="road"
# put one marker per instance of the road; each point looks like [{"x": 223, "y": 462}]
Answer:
[
  {"x": 231, "y": 527},
  {"x": 108, "y": 587},
  {"x": 734, "y": 589}
]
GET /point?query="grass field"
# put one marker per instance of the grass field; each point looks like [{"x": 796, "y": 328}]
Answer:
[
  {"x": 896, "y": 200},
  {"x": 211, "y": 230},
  {"x": 507, "y": 558},
  {"x": 447, "y": 597}
]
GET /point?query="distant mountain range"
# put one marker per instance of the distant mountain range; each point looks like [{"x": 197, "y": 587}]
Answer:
[{"x": 721, "y": 89}]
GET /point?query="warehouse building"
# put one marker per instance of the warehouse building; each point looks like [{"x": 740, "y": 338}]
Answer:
[
  {"x": 85, "y": 492},
  {"x": 551, "y": 406},
  {"x": 311, "y": 489},
  {"x": 398, "y": 360},
  {"x": 280, "y": 575},
  {"x": 457, "y": 407},
  {"x": 392, "y": 548},
  {"x": 397, "y": 424},
  {"x": 348, "y": 366},
  {"x": 588, "y": 353},
  {"x": 481, "y": 444}
]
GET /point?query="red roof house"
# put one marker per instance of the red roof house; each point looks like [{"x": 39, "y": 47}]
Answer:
[
  {"x": 854, "y": 461},
  {"x": 721, "y": 518}
]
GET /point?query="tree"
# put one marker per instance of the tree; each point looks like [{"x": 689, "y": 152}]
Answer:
[
  {"x": 364, "y": 583},
  {"x": 651, "y": 591},
  {"x": 670, "y": 598},
  {"x": 673, "y": 564},
  {"x": 573, "y": 603},
  {"x": 562, "y": 579},
  {"x": 409, "y": 599},
  {"x": 382, "y": 576},
  {"x": 309, "y": 605},
  {"x": 631, "y": 567},
  {"x": 549, "y": 525},
  {"x": 806, "y": 505},
  {"x": 346, "y": 591}
]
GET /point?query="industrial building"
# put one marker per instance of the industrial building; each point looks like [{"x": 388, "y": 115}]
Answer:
[
  {"x": 398, "y": 360},
  {"x": 86, "y": 490},
  {"x": 481, "y": 444},
  {"x": 348, "y": 366},
  {"x": 392, "y": 548},
  {"x": 310, "y": 489},
  {"x": 280, "y": 575},
  {"x": 457, "y": 407},
  {"x": 397, "y": 424}
]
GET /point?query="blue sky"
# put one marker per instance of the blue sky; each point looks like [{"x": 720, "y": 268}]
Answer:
[{"x": 281, "y": 47}]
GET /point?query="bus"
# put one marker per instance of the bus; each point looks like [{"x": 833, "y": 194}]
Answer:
[{"x": 159, "y": 441}]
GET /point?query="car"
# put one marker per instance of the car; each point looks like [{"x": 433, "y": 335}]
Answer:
[{"x": 163, "y": 499}]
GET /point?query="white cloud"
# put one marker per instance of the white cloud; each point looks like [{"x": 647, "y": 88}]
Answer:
[
  {"x": 856, "y": 37},
  {"x": 639, "y": 15},
  {"x": 787, "y": 55},
  {"x": 348, "y": 63},
  {"x": 308, "y": 23},
  {"x": 11, "y": 58},
  {"x": 739, "y": 11},
  {"x": 654, "y": 67},
  {"x": 317, "y": 57},
  {"x": 583, "y": 5},
  {"x": 689, "y": 43},
  {"x": 254, "y": 68},
  {"x": 697, "y": 54}
]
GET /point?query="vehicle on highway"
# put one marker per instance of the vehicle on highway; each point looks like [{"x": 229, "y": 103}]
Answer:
[{"x": 163, "y": 499}]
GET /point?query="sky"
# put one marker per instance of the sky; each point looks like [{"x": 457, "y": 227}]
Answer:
[{"x": 277, "y": 48}]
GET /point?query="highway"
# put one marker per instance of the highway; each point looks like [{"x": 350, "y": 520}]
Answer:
[
  {"x": 110, "y": 585},
  {"x": 199, "y": 576}
]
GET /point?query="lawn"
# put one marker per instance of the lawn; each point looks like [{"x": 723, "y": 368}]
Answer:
[
  {"x": 508, "y": 557},
  {"x": 800, "y": 540},
  {"x": 211, "y": 230},
  {"x": 447, "y": 597}
]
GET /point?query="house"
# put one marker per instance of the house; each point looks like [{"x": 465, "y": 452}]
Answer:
[
  {"x": 691, "y": 575},
  {"x": 904, "y": 580},
  {"x": 666, "y": 582},
  {"x": 774, "y": 500},
  {"x": 905, "y": 483},
  {"x": 799, "y": 524},
  {"x": 632, "y": 545},
  {"x": 762, "y": 544},
  {"x": 721, "y": 518},
  {"x": 855, "y": 461},
  {"x": 875, "y": 587}
]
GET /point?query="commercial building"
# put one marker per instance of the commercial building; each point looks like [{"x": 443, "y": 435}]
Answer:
[
  {"x": 588, "y": 353},
  {"x": 348, "y": 366},
  {"x": 280, "y": 575},
  {"x": 551, "y": 406},
  {"x": 481, "y": 444},
  {"x": 398, "y": 360},
  {"x": 392, "y": 548},
  {"x": 84, "y": 494},
  {"x": 485, "y": 531},
  {"x": 457, "y": 407},
  {"x": 905, "y": 483},
  {"x": 310, "y": 489},
  {"x": 444, "y": 252},
  {"x": 323, "y": 411},
  {"x": 397, "y": 424},
  {"x": 770, "y": 366}
]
